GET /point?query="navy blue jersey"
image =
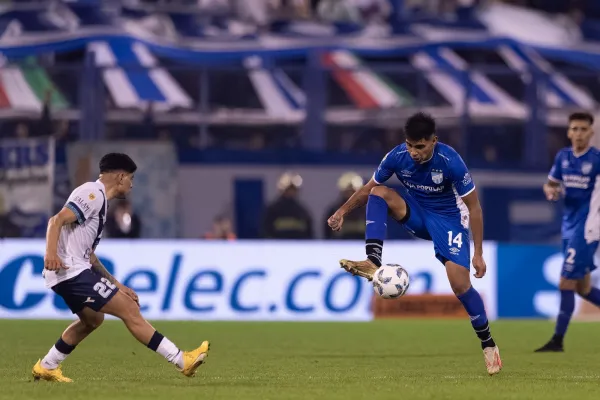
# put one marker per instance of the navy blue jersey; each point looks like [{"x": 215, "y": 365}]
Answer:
[
  {"x": 580, "y": 178},
  {"x": 437, "y": 184}
]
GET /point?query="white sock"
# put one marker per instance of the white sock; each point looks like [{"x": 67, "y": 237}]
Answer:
[
  {"x": 53, "y": 358},
  {"x": 168, "y": 350}
]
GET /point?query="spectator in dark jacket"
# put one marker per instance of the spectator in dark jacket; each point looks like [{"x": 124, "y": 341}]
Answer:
[{"x": 286, "y": 217}]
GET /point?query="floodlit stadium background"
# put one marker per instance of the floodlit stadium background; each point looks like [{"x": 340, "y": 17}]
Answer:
[{"x": 223, "y": 104}]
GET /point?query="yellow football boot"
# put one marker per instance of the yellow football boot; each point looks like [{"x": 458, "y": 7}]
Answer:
[
  {"x": 50, "y": 375},
  {"x": 364, "y": 269},
  {"x": 195, "y": 358}
]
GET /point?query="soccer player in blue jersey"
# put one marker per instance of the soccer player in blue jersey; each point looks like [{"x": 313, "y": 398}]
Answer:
[
  {"x": 436, "y": 202},
  {"x": 576, "y": 175}
]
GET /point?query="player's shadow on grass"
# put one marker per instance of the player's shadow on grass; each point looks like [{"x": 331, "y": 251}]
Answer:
[{"x": 350, "y": 356}]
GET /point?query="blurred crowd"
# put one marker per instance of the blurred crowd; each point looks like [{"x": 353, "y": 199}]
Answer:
[{"x": 286, "y": 217}]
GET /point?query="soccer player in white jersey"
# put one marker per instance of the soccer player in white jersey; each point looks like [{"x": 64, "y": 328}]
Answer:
[
  {"x": 576, "y": 175},
  {"x": 436, "y": 202},
  {"x": 72, "y": 270}
]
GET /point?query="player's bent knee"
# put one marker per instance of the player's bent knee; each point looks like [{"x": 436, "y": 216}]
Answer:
[
  {"x": 568, "y": 284},
  {"x": 459, "y": 278},
  {"x": 94, "y": 322},
  {"x": 90, "y": 319},
  {"x": 584, "y": 288},
  {"x": 382, "y": 191}
]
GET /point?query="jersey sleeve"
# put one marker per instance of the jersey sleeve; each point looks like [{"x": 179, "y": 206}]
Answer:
[
  {"x": 555, "y": 174},
  {"x": 85, "y": 202},
  {"x": 385, "y": 169},
  {"x": 461, "y": 178}
]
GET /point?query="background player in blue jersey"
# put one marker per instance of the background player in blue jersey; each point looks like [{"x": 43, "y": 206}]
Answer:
[
  {"x": 576, "y": 175},
  {"x": 436, "y": 202}
]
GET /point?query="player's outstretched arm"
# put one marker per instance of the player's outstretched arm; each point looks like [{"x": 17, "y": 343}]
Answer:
[
  {"x": 55, "y": 224},
  {"x": 358, "y": 199},
  {"x": 476, "y": 216}
]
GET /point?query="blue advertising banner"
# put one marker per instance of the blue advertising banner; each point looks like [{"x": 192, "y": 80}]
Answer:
[
  {"x": 528, "y": 278},
  {"x": 245, "y": 280}
]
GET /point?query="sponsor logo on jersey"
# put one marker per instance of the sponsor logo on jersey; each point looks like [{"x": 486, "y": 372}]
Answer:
[
  {"x": 576, "y": 181},
  {"x": 85, "y": 207},
  {"x": 467, "y": 179}
]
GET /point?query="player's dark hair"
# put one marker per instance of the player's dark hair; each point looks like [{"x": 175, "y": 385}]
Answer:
[
  {"x": 419, "y": 126},
  {"x": 582, "y": 116},
  {"x": 112, "y": 162}
]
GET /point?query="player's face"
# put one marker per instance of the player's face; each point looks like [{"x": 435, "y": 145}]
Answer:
[
  {"x": 421, "y": 150},
  {"x": 125, "y": 185},
  {"x": 580, "y": 132}
]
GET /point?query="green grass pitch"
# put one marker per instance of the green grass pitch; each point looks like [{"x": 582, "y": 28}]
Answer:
[{"x": 405, "y": 359}]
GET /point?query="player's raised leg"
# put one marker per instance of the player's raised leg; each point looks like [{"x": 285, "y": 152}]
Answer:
[
  {"x": 382, "y": 200},
  {"x": 124, "y": 308},
  {"x": 48, "y": 368}
]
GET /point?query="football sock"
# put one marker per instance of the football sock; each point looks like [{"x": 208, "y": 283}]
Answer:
[
  {"x": 377, "y": 210},
  {"x": 567, "y": 305},
  {"x": 166, "y": 348},
  {"x": 57, "y": 354},
  {"x": 593, "y": 296},
  {"x": 472, "y": 302}
]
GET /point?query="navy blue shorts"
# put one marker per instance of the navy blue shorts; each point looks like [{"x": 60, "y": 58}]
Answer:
[
  {"x": 88, "y": 289},
  {"x": 450, "y": 235},
  {"x": 579, "y": 256}
]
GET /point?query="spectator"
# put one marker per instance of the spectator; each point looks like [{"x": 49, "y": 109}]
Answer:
[
  {"x": 286, "y": 217},
  {"x": 7, "y": 228},
  {"x": 123, "y": 222},
  {"x": 222, "y": 229},
  {"x": 354, "y": 222},
  {"x": 22, "y": 130}
]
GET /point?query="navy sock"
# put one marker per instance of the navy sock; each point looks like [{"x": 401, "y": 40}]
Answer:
[
  {"x": 567, "y": 306},
  {"x": 155, "y": 341},
  {"x": 377, "y": 210},
  {"x": 593, "y": 296},
  {"x": 63, "y": 347},
  {"x": 472, "y": 302}
]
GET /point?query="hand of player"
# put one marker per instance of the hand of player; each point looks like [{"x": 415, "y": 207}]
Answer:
[
  {"x": 336, "y": 221},
  {"x": 479, "y": 265},
  {"x": 552, "y": 192},
  {"x": 53, "y": 263},
  {"x": 131, "y": 293}
]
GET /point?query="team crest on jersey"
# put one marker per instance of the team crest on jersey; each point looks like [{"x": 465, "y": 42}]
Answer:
[
  {"x": 437, "y": 176},
  {"x": 92, "y": 196},
  {"x": 565, "y": 164},
  {"x": 586, "y": 168}
]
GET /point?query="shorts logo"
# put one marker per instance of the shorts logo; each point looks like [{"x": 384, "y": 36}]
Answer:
[
  {"x": 437, "y": 176},
  {"x": 92, "y": 196},
  {"x": 586, "y": 168},
  {"x": 454, "y": 250}
]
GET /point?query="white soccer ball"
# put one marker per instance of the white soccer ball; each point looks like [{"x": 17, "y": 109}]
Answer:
[{"x": 391, "y": 281}]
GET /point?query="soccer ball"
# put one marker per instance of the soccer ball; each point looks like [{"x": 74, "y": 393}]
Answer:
[{"x": 391, "y": 281}]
